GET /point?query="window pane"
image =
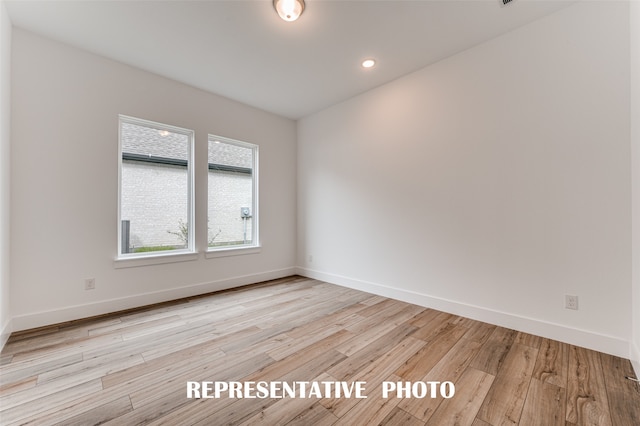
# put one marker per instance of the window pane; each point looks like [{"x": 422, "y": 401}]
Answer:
[
  {"x": 232, "y": 215},
  {"x": 155, "y": 188}
]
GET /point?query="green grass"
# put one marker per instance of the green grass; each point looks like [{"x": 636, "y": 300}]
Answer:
[
  {"x": 152, "y": 248},
  {"x": 229, "y": 243}
]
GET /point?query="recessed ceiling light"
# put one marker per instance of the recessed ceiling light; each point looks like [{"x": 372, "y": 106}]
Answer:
[{"x": 368, "y": 63}]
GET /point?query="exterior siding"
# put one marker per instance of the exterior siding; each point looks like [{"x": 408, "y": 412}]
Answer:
[
  {"x": 228, "y": 192},
  {"x": 155, "y": 215}
]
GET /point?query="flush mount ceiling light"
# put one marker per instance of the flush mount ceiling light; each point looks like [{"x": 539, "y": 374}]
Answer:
[{"x": 289, "y": 10}]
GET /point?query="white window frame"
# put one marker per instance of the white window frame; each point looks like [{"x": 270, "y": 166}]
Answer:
[
  {"x": 254, "y": 246},
  {"x": 158, "y": 257}
]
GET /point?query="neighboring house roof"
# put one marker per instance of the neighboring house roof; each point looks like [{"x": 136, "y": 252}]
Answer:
[
  {"x": 230, "y": 155},
  {"x": 141, "y": 141}
]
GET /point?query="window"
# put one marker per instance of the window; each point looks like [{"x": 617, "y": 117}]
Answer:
[
  {"x": 232, "y": 204},
  {"x": 156, "y": 189}
]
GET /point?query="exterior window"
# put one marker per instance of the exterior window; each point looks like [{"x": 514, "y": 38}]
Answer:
[
  {"x": 233, "y": 184},
  {"x": 156, "y": 189}
]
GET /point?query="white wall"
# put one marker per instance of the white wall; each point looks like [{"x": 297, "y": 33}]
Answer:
[
  {"x": 489, "y": 184},
  {"x": 5, "y": 154},
  {"x": 635, "y": 167},
  {"x": 64, "y": 184}
]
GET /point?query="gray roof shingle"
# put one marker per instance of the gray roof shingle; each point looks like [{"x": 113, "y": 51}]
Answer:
[{"x": 146, "y": 141}]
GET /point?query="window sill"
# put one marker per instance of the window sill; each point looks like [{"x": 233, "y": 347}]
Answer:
[
  {"x": 157, "y": 259},
  {"x": 235, "y": 251}
]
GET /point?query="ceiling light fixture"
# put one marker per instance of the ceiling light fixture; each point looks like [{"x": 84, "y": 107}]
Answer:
[
  {"x": 368, "y": 63},
  {"x": 289, "y": 10}
]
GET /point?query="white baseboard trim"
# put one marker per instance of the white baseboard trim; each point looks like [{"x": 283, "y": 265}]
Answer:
[
  {"x": 7, "y": 329},
  {"x": 584, "y": 338},
  {"x": 70, "y": 313},
  {"x": 634, "y": 356}
]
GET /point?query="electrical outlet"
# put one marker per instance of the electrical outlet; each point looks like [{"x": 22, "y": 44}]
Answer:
[
  {"x": 571, "y": 302},
  {"x": 90, "y": 284}
]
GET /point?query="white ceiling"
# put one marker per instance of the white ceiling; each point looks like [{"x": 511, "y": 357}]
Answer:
[{"x": 242, "y": 49}]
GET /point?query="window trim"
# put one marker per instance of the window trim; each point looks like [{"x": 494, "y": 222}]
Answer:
[
  {"x": 239, "y": 249},
  {"x": 173, "y": 256},
  {"x": 177, "y": 255},
  {"x": 232, "y": 251}
]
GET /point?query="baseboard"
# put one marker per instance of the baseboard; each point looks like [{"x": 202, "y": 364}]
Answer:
[
  {"x": 70, "y": 313},
  {"x": 635, "y": 357},
  {"x": 7, "y": 329},
  {"x": 584, "y": 338}
]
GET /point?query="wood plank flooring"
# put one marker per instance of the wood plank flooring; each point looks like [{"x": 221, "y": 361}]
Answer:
[{"x": 133, "y": 367}]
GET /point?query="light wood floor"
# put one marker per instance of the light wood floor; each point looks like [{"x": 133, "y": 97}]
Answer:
[{"x": 132, "y": 368}]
